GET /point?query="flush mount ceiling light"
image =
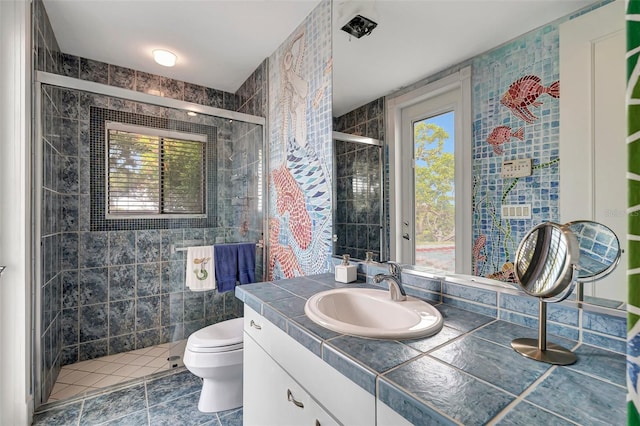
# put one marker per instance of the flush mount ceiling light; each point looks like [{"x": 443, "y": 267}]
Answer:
[
  {"x": 359, "y": 26},
  {"x": 164, "y": 57}
]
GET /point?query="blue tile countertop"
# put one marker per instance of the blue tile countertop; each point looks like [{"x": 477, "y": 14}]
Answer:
[{"x": 466, "y": 374}]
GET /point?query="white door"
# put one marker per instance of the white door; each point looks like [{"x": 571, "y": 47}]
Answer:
[
  {"x": 593, "y": 130},
  {"x": 429, "y": 208}
]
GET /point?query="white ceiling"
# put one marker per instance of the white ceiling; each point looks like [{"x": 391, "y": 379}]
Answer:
[{"x": 219, "y": 43}]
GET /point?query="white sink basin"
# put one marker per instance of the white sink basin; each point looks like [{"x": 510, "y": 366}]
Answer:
[{"x": 371, "y": 313}]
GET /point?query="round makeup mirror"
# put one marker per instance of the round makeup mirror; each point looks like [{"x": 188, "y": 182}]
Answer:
[
  {"x": 546, "y": 268},
  {"x": 600, "y": 249},
  {"x": 545, "y": 261}
]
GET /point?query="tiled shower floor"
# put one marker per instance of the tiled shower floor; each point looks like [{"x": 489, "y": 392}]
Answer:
[{"x": 88, "y": 376}]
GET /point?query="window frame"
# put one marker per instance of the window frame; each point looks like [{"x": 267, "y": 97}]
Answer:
[
  {"x": 161, "y": 133},
  {"x": 460, "y": 81}
]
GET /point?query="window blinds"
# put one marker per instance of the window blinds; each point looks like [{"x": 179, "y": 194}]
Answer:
[{"x": 151, "y": 174}]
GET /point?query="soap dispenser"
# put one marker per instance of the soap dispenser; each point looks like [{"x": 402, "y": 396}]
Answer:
[{"x": 346, "y": 273}]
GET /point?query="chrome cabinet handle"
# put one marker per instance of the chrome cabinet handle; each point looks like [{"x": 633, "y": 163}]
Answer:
[
  {"x": 254, "y": 325},
  {"x": 292, "y": 399}
]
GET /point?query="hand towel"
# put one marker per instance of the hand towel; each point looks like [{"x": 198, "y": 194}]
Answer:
[
  {"x": 226, "y": 266},
  {"x": 200, "y": 268},
  {"x": 247, "y": 263}
]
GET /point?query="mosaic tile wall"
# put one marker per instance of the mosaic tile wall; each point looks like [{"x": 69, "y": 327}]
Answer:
[
  {"x": 369, "y": 120},
  {"x": 300, "y": 150},
  {"x": 503, "y": 131}
]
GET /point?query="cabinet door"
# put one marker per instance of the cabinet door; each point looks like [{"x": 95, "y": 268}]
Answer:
[{"x": 272, "y": 397}]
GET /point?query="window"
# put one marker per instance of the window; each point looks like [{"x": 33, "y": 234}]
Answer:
[{"x": 154, "y": 172}]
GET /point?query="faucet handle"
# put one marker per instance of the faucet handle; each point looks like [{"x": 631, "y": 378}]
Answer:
[{"x": 394, "y": 269}]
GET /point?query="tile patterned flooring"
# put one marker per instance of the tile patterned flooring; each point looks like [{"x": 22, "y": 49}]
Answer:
[
  {"x": 171, "y": 400},
  {"x": 91, "y": 375}
]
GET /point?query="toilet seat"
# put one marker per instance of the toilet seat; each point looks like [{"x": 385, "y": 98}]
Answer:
[{"x": 221, "y": 337}]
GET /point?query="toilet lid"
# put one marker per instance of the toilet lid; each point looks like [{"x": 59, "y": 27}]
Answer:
[{"x": 221, "y": 337}]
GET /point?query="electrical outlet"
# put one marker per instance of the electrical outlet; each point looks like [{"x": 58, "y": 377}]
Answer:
[{"x": 516, "y": 168}]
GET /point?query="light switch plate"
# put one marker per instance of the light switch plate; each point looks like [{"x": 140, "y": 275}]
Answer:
[
  {"x": 516, "y": 211},
  {"x": 516, "y": 168}
]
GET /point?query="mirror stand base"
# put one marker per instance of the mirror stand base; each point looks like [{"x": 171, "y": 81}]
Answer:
[{"x": 553, "y": 354}]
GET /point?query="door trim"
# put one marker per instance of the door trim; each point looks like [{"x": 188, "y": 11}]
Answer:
[{"x": 459, "y": 80}]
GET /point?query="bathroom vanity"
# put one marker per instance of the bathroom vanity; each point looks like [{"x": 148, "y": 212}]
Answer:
[{"x": 296, "y": 372}]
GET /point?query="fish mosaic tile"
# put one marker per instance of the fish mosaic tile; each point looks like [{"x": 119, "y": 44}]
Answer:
[{"x": 516, "y": 115}]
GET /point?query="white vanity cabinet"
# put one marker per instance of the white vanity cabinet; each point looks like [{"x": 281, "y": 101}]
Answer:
[
  {"x": 385, "y": 416},
  {"x": 286, "y": 384}
]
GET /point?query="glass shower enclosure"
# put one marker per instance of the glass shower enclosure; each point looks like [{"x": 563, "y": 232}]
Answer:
[{"x": 110, "y": 286}]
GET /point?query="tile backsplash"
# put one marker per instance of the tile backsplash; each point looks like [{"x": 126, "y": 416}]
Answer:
[{"x": 597, "y": 326}]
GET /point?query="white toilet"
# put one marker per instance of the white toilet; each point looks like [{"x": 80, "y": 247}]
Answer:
[{"x": 214, "y": 353}]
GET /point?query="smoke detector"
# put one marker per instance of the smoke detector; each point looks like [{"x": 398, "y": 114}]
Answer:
[{"x": 359, "y": 26}]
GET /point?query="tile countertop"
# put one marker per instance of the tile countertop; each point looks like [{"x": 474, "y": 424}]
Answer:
[{"x": 466, "y": 374}]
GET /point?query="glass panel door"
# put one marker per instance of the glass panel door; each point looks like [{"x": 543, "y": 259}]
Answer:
[{"x": 434, "y": 186}]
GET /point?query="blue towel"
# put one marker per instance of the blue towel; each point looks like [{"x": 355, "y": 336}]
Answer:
[
  {"x": 247, "y": 263},
  {"x": 226, "y": 260}
]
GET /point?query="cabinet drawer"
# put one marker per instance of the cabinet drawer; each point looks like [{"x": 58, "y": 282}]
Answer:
[
  {"x": 316, "y": 377},
  {"x": 272, "y": 397},
  {"x": 260, "y": 329}
]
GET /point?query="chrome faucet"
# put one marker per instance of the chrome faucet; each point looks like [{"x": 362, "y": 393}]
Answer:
[{"x": 396, "y": 291}]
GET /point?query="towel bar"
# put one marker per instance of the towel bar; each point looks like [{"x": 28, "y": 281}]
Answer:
[{"x": 173, "y": 249}]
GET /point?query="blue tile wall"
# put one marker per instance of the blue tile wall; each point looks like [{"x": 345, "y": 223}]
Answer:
[
  {"x": 474, "y": 306},
  {"x": 92, "y": 281},
  {"x": 357, "y": 210},
  {"x": 367, "y": 120}
]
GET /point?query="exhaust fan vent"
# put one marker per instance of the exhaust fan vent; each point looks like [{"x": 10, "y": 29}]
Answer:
[{"x": 359, "y": 26}]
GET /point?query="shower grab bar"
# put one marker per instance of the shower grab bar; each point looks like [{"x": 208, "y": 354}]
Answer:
[{"x": 173, "y": 249}]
